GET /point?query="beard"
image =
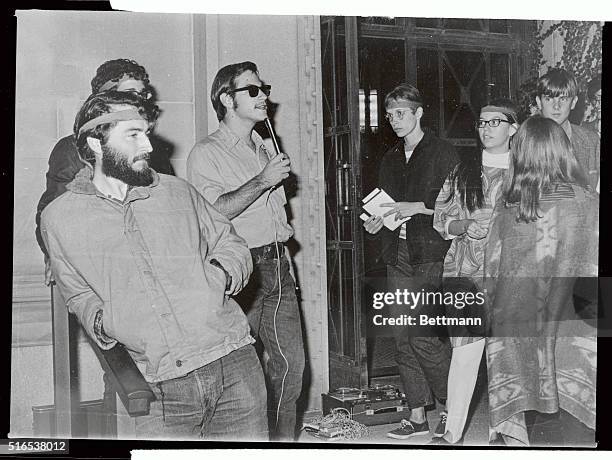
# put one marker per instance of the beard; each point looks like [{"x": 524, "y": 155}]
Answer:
[{"x": 115, "y": 164}]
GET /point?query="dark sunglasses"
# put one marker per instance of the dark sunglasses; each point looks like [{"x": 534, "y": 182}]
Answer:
[{"x": 254, "y": 90}]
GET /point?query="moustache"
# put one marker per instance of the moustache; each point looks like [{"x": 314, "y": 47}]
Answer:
[{"x": 145, "y": 157}]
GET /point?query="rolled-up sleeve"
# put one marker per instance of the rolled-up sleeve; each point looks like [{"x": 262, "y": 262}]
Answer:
[{"x": 204, "y": 174}]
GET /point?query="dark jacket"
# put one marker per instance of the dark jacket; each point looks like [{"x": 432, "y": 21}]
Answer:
[
  {"x": 64, "y": 163},
  {"x": 418, "y": 180}
]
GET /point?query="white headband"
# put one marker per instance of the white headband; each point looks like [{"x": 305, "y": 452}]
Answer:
[{"x": 121, "y": 115}]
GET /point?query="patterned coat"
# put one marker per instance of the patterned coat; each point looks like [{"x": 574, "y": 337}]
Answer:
[
  {"x": 540, "y": 354},
  {"x": 586, "y": 146},
  {"x": 465, "y": 257}
]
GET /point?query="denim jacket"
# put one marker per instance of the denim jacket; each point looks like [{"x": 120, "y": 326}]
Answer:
[
  {"x": 145, "y": 263},
  {"x": 65, "y": 162}
]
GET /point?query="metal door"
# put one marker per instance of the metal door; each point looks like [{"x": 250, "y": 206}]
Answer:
[{"x": 347, "y": 352}]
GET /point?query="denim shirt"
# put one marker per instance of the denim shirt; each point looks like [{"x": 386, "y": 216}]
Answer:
[
  {"x": 222, "y": 163},
  {"x": 145, "y": 264}
]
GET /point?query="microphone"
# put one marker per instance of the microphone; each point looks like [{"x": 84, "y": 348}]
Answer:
[
  {"x": 274, "y": 141},
  {"x": 272, "y": 135}
]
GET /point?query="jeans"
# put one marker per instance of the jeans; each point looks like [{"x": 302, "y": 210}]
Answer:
[
  {"x": 225, "y": 399},
  {"x": 259, "y": 300},
  {"x": 423, "y": 359}
]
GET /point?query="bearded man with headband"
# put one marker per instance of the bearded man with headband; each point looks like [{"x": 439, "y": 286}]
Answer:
[
  {"x": 64, "y": 161},
  {"x": 143, "y": 259}
]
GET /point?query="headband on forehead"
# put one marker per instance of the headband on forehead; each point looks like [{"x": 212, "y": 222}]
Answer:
[
  {"x": 121, "y": 115},
  {"x": 110, "y": 84},
  {"x": 498, "y": 108}
]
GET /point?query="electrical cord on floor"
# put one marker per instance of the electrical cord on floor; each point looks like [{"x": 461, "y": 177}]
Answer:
[
  {"x": 280, "y": 292},
  {"x": 338, "y": 424}
]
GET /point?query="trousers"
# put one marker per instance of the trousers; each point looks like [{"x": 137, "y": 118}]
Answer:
[
  {"x": 423, "y": 359},
  {"x": 224, "y": 400},
  {"x": 275, "y": 320}
]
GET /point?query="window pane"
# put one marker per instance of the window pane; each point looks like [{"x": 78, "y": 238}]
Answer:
[
  {"x": 428, "y": 84},
  {"x": 464, "y": 92},
  {"x": 381, "y": 68},
  {"x": 500, "y": 76},
  {"x": 378, "y": 20},
  {"x": 464, "y": 24},
  {"x": 427, "y": 22}
]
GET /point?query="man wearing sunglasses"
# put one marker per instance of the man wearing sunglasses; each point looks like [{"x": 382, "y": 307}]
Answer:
[
  {"x": 412, "y": 172},
  {"x": 65, "y": 162},
  {"x": 234, "y": 171}
]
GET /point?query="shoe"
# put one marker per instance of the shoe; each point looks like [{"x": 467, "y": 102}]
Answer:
[
  {"x": 408, "y": 429},
  {"x": 443, "y": 442},
  {"x": 439, "y": 442},
  {"x": 441, "y": 428}
]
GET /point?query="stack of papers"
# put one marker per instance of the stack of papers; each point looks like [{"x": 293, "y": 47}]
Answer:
[{"x": 372, "y": 204}]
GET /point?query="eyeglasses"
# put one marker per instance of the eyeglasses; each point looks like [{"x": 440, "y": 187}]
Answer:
[
  {"x": 397, "y": 115},
  {"x": 254, "y": 90},
  {"x": 493, "y": 123}
]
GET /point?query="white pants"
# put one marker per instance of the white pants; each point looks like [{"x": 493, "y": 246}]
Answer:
[{"x": 461, "y": 382}]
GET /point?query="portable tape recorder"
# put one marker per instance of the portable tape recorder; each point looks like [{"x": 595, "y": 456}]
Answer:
[{"x": 376, "y": 405}]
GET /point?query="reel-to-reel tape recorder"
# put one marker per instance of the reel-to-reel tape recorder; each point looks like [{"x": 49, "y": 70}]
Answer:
[{"x": 375, "y": 405}]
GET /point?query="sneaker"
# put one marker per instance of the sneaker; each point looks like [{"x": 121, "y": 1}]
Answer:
[
  {"x": 407, "y": 429},
  {"x": 441, "y": 428}
]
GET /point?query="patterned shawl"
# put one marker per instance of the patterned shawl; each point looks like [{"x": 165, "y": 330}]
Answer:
[{"x": 540, "y": 354}]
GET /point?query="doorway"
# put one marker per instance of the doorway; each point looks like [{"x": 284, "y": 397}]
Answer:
[{"x": 458, "y": 65}]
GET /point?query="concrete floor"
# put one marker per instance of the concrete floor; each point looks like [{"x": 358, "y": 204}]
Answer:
[{"x": 573, "y": 433}]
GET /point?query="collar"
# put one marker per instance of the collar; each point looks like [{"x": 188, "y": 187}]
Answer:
[
  {"x": 496, "y": 160},
  {"x": 567, "y": 127},
  {"x": 232, "y": 139},
  {"x": 424, "y": 142},
  {"x": 413, "y": 146},
  {"x": 82, "y": 184}
]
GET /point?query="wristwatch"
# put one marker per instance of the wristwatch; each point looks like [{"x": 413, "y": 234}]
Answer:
[{"x": 228, "y": 277}]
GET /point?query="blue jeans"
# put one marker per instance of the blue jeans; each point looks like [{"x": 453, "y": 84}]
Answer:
[
  {"x": 225, "y": 399},
  {"x": 423, "y": 360},
  {"x": 259, "y": 300}
]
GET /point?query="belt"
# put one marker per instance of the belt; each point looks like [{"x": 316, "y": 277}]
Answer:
[{"x": 268, "y": 252}]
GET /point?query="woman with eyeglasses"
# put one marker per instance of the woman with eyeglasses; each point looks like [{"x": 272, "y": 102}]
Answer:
[
  {"x": 541, "y": 349},
  {"x": 462, "y": 214}
]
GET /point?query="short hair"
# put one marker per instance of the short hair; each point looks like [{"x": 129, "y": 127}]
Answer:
[
  {"x": 541, "y": 155},
  {"x": 407, "y": 92},
  {"x": 557, "y": 82},
  {"x": 115, "y": 69},
  {"x": 101, "y": 103},
  {"x": 225, "y": 81}
]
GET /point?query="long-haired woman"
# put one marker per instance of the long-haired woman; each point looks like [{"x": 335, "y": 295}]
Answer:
[
  {"x": 462, "y": 213},
  {"x": 543, "y": 236}
]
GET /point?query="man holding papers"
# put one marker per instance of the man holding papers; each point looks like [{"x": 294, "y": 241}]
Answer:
[{"x": 412, "y": 173}]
